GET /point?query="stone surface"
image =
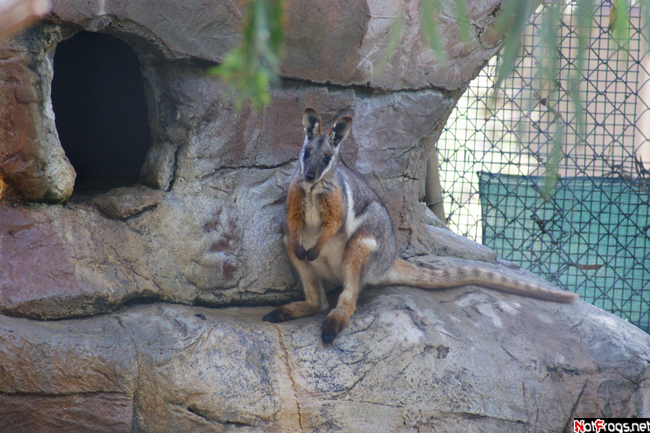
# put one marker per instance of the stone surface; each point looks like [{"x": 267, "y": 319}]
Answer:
[
  {"x": 410, "y": 360},
  {"x": 448, "y": 243},
  {"x": 121, "y": 203},
  {"x": 354, "y": 37},
  {"x": 326, "y": 41},
  {"x": 209, "y": 233},
  {"x": 66, "y": 376},
  {"x": 431, "y": 219},
  {"x": 32, "y": 161},
  {"x": 215, "y": 236},
  {"x": 212, "y": 233}
]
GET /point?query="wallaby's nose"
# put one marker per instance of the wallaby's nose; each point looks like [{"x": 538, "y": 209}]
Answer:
[{"x": 310, "y": 176}]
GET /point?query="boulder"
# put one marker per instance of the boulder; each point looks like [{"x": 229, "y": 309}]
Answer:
[
  {"x": 121, "y": 203},
  {"x": 32, "y": 161},
  {"x": 410, "y": 360}
]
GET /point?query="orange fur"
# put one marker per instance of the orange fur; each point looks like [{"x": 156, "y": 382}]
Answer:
[
  {"x": 355, "y": 256},
  {"x": 295, "y": 199}
]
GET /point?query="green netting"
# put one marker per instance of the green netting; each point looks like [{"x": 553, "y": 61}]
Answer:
[{"x": 592, "y": 237}]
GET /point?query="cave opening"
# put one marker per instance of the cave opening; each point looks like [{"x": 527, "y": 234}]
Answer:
[{"x": 100, "y": 111}]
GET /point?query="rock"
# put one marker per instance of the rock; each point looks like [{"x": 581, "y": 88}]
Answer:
[
  {"x": 211, "y": 233},
  {"x": 326, "y": 41},
  {"x": 215, "y": 236},
  {"x": 346, "y": 43},
  {"x": 463, "y": 359},
  {"x": 75, "y": 376},
  {"x": 431, "y": 219},
  {"x": 56, "y": 262},
  {"x": 32, "y": 161},
  {"x": 121, "y": 203},
  {"x": 448, "y": 243}
]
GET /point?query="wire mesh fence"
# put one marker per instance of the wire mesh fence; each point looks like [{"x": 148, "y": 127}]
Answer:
[{"x": 591, "y": 235}]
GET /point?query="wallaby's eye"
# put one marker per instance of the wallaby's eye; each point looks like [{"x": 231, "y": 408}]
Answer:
[
  {"x": 327, "y": 159},
  {"x": 305, "y": 156}
]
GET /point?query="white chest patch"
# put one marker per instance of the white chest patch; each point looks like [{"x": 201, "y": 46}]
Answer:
[
  {"x": 312, "y": 214},
  {"x": 312, "y": 222}
]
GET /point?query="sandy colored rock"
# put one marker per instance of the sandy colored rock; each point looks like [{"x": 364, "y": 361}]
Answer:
[
  {"x": 410, "y": 360},
  {"x": 326, "y": 41},
  {"x": 121, "y": 203},
  {"x": 66, "y": 376},
  {"x": 211, "y": 233},
  {"x": 32, "y": 161},
  {"x": 216, "y": 236}
]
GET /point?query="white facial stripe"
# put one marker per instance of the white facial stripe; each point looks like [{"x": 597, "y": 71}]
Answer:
[
  {"x": 300, "y": 159},
  {"x": 327, "y": 169}
]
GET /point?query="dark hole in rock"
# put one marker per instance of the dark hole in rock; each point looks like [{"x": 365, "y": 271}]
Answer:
[{"x": 100, "y": 110}]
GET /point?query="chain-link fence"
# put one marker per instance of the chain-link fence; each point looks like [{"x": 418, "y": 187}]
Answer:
[{"x": 591, "y": 234}]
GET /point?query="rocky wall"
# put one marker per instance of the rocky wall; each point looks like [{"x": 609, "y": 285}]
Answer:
[{"x": 211, "y": 235}]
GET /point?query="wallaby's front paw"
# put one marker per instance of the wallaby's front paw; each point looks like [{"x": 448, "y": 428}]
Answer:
[
  {"x": 280, "y": 314},
  {"x": 336, "y": 321},
  {"x": 309, "y": 255},
  {"x": 300, "y": 252},
  {"x": 312, "y": 254}
]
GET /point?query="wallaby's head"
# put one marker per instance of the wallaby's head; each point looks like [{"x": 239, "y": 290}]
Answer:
[{"x": 319, "y": 155}]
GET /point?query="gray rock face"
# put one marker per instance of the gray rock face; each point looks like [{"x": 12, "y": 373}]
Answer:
[
  {"x": 326, "y": 41},
  {"x": 211, "y": 235},
  {"x": 215, "y": 236},
  {"x": 410, "y": 360},
  {"x": 32, "y": 161}
]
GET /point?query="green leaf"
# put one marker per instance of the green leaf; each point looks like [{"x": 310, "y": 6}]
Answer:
[
  {"x": 430, "y": 28},
  {"x": 462, "y": 18},
  {"x": 393, "y": 38},
  {"x": 248, "y": 69},
  {"x": 512, "y": 22}
]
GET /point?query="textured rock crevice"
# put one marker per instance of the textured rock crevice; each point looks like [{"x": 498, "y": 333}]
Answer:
[{"x": 284, "y": 355}]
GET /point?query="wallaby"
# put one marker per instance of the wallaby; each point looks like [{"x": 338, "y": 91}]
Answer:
[{"x": 338, "y": 229}]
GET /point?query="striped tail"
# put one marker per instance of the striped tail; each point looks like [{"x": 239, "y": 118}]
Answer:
[{"x": 404, "y": 273}]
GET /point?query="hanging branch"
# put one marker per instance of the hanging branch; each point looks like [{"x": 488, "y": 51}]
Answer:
[{"x": 250, "y": 68}]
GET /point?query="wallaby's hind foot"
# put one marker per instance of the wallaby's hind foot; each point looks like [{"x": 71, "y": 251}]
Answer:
[
  {"x": 336, "y": 321},
  {"x": 291, "y": 311}
]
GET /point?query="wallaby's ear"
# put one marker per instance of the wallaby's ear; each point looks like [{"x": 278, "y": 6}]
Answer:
[
  {"x": 311, "y": 122},
  {"x": 340, "y": 130}
]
